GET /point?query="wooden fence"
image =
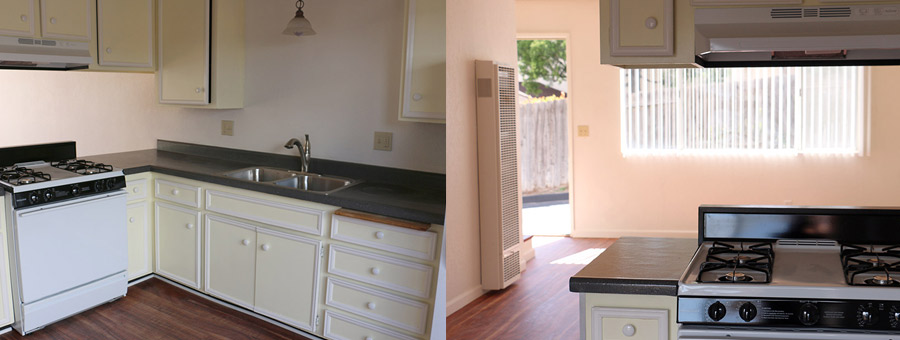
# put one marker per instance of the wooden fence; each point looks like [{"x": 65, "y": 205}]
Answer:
[{"x": 545, "y": 147}]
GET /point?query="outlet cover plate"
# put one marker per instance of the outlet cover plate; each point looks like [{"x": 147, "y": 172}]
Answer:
[
  {"x": 584, "y": 131},
  {"x": 383, "y": 140},
  {"x": 228, "y": 128}
]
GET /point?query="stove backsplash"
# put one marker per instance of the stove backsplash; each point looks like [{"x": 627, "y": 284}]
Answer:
[{"x": 37, "y": 152}]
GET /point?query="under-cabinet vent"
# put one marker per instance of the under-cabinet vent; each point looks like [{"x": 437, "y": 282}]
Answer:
[
  {"x": 810, "y": 12},
  {"x": 500, "y": 207},
  {"x": 817, "y": 243}
]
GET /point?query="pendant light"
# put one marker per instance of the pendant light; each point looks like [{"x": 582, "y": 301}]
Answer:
[{"x": 299, "y": 26}]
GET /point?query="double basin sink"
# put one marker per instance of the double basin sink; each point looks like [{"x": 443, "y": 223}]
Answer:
[{"x": 305, "y": 181}]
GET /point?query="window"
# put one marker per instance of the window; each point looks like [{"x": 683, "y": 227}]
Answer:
[{"x": 742, "y": 110}]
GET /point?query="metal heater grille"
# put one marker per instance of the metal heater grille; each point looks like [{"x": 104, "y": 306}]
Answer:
[
  {"x": 509, "y": 184},
  {"x": 511, "y": 266}
]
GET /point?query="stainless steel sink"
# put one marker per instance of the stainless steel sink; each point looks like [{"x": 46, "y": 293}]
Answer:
[
  {"x": 315, "y": 183},
  {"x": 260, "y": 174},
  {"x": 292, "y": 179}
]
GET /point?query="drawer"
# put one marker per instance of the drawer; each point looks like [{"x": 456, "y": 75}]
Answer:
[
  {"x": 178, "y": 192},
  {"x": 137, "y": 189},
  {"x": 288, "y": 216},
  {"x": 343, "y": 327},
  {"x": 391, "y": 273},
  {"x": 404, "y": 241},
  {"x": 629, "y": 324},
  {"x": 393, "y": 310}
]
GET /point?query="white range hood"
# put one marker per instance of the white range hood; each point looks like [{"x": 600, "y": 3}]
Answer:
[
  {"x": 43, "y": 54},
  {"x": 798, "y": 36}
]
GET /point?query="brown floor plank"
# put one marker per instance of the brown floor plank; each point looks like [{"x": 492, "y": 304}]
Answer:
[
  {"x": 154, "y": 309},
  {"x": 538, "y": 306}
]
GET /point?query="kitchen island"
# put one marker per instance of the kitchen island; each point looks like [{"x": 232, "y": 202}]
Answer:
[{"x": 629, "y": 290}]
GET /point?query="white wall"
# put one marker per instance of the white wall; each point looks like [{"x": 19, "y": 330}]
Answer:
[
  {"x": 339, "y": 86},
  {"x": 659, "y": 196},
  {"x": 476, "y": 29}
]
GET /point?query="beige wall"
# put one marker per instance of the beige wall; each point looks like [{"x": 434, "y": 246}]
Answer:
[
  {"x": 476, "y": 29},
  {"x": 658, "y": 196},
  {"x": 339, "y": 86}
]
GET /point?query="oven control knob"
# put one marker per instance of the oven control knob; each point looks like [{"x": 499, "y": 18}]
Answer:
[
  {"x": 98, "y": 186},
  {"x": 74, "y": 190},
  {"x": 894, "y": 316},
  {"x": 110, "y": 183},
  {"x": 809, "y": 314},
  {"x": 747, "y": 311},
  {"x": 716, "y": 311},
  {"x": 34, "y": 197},
  {"x": 867, "y": 315},
  {"x": 47, "y": 195}
]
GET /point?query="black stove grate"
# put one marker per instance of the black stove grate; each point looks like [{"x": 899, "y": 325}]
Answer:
[
  {"x": 22, "y": 176},
  {"x": 728, "y": 263},
  {"x": 82, "y": 167},
  {"x": 871, "y": 265}
]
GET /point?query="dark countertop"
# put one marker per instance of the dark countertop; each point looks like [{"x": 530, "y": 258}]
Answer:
[
  {"x": 637, "y": 265},
  {"x": 398, "y": 193}
]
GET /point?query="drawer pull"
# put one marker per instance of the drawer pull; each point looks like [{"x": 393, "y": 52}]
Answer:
[
  {"x": 189, "y": 226},
  {"x": 650, "y": 23},
  {"x": 175, "y": 192},
  {"x": 379, "y": 235},
  {"x": 136, "y": 190},
  {"x": 131, "y": 219},
  {"x": 370, "y": 305},
  {"x": 245, "y": 242},
  {"x": 265, "y": 247},
  {"x": 628, "y": 330},
  {"x": 375, "y": 271}
]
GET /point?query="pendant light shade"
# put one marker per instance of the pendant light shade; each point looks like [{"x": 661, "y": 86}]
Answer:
[{"x": 299, "y": 26}]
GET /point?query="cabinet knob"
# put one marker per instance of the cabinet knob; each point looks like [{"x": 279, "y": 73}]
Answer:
[
  {"x": 189, "y": 226},
  {"x": 199, "y": 90},
  {"x": 370, "y": 305},
  {"x": 53, "y": 21},
  {"x": 131, "y": 220},
  {"x": 174, "y": 191},
  {"x": 379, "y": 235},
  {"x": 136, "y": 190},
  {"x": 650, "y": 23},
  {"x": 24, "y": 18},
  {"x": 417, "y": 97},
  {"x": 376, "y": 271},
  {"x": 245, "y": 242},
  {"x": 265, "y": 247},
  {"x": 628, "y": 330},
  {"x": 108, "y": 50}
]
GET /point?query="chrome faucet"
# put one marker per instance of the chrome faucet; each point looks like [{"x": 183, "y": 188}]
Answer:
[{"x": 303, "y": 147}]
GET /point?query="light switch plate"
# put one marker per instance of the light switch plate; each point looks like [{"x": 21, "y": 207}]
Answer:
[
  {"x": 228, "y": 128},
  {"x": 383, "y": 140},
  {"x": 584, "y": 131}
]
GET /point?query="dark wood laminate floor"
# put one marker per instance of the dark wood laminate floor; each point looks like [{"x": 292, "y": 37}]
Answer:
[
  {"x": 154, "y": 309},
  {"x": 538, "y": 306}
]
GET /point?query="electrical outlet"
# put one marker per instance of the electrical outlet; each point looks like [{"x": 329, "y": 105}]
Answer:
[
  {"x": 228, "y": 128},
  {"x": 584, "y": 131},
  {"x": 383, "y": 140}
]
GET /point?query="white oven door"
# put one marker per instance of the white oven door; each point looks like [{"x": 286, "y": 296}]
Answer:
[
  {"x": 727, "y": 334},
  {"x": 65, "y": 245}
]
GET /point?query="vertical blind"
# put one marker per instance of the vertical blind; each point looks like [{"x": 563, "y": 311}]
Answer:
[{"x": 742, "y": 110}]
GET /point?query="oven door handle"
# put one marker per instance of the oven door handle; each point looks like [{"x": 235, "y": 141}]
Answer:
[{"x": 82, "y": 201}]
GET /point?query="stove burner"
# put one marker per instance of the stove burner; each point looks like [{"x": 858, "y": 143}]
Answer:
[
  {"x": 741, "y": 259},
  {"x": 22, "y": 176},
  {"x": 25, "y": 180},
  {"x": 736, "y": 277},
  {"x": 871, "y": 265},
  {"x": 82, "y": 167},
  {"x": 882, "y": 280}
]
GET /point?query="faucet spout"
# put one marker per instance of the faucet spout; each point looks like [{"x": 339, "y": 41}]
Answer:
[{"x": 303, "y": 148}]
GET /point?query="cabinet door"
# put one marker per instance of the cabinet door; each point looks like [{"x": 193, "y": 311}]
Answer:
[
  {"x": 629, "y": 324},
  {"x": 66, "y": 19},
  {"x": 287, "y": 268},
  {"x": 138, "y": 240},
  {"x": 183, "y": 52},
  {"x": 125, "y": 33},
  {"x": 17, "y": 17},
  {"x": 230, "y": 260},
  {"x": 178, "y": 244},
  {"x": 6, "y": 313},
  {"x": 641, "y": 28},
  {"x": 423, "y": 95}
]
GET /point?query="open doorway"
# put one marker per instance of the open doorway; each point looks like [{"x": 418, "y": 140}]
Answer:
[{"x": 545, "y": 126}]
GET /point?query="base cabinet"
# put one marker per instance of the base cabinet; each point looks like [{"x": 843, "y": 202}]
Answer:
[
  {"x": 139, "y": 240},
  {"x": 178, "y": 244},
  {"x": 628, "y": 317}
]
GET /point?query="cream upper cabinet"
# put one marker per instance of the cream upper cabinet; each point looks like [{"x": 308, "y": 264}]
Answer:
[
  {"x": 125, "y": 33},
  {"x": 423, "y": 90},
  {"x": 17, "y": 18},
  {"x": 646, "y": 32},
  {"x": 201, "y": 53},
  {"x": 287, "y": 276},
  {"x": 178, "y": 244},
  {"x": 66, "y": 19}
]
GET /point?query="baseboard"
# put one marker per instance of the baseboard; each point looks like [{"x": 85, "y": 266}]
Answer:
[
  {"x": 634, "y": 233},
  {"x": 464, "y": 299}
]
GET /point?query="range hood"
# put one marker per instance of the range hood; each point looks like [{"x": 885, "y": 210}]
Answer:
[
  {"x": 43, "y": 54},
  {"x": 797, "y": 36}
]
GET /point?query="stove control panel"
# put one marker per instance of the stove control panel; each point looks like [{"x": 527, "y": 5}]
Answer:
[
  {"x": 825, "y": 314},
  {"x": 67, "y": 191}
]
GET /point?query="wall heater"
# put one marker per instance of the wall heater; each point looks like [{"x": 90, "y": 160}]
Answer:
[{"x": 500, "y": 201}]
